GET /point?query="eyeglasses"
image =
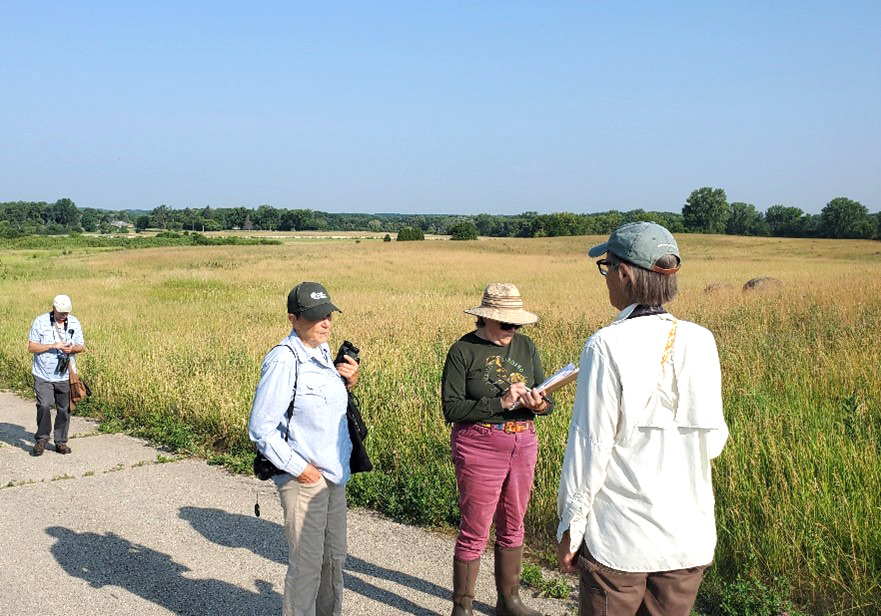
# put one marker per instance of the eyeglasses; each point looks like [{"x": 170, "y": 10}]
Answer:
[
  {"x": 509, "y": 326},
  {"x": 604, "y": 265}
]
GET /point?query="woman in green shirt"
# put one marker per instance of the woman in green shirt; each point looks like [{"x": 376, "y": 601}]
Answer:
[{"x": 488, "y": 395}]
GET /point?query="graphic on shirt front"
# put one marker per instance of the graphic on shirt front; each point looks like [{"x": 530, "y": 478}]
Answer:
[{"x": 502, "y": 372}]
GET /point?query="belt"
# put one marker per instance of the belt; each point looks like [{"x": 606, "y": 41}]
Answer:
[{"x": 510, "y": 427}]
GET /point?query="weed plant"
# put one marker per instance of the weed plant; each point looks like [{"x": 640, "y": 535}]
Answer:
[{"x": 175, "y": 336}]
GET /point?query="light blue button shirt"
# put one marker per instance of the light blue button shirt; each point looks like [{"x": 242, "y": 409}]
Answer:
[
  {"x": 44, "y": 332},
  {"x": 319, "y": 434}
]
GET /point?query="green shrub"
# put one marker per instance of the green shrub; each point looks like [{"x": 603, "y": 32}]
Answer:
[
  {"x": 410, "y": 234},
  {"x": 463, "y": 231}
]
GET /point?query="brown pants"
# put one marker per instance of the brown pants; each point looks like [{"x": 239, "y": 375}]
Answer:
[{"x": 604, "y": 591}]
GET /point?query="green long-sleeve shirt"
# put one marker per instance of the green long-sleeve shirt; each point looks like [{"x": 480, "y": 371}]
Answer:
[{"x": 477, "y": 373}]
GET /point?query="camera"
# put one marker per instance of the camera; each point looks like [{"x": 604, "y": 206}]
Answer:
[
  {"x": 263, "y": 468},
  {"x": 347, "y": 348},
  {"x": 62, "y": 364}
]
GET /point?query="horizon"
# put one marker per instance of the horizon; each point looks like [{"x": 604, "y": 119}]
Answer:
[{"x": 457, "y": 109}]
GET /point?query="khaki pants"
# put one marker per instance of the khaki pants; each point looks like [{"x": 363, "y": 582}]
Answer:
[
  {"x": 604, "y": 591},
  {"x": 315, "y": 527}
]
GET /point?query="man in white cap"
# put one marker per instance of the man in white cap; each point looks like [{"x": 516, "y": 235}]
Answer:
[{"x": 54, "y": 339}]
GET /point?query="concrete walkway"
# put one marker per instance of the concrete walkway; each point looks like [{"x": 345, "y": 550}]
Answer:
[{"x": 120, "y": 527}]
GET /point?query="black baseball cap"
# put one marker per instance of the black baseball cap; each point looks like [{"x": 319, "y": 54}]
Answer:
[{"x": 310, "y": 300}]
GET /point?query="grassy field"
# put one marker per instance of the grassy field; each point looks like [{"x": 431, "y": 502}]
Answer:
[{"x": 175, "y": 337}]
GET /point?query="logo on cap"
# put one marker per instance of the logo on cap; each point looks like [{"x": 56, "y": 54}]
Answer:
[{"x": 318, "y": 295}]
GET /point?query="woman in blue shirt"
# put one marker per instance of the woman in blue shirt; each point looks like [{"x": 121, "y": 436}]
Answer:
[{"x": 311, "y": 448}]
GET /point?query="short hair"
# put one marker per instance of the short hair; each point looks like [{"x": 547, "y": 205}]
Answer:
[
  {"x": 480, "y": 322},
  {"x": 650, "y": 288}
]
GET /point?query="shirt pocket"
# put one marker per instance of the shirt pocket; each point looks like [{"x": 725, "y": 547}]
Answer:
[{"x": 314, "y": 394}]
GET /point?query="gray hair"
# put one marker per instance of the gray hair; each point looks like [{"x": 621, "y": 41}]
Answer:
[{"x": 646, "y": 287}]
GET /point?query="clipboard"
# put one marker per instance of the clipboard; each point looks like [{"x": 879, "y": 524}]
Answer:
[{"x": 560, "y": 378}]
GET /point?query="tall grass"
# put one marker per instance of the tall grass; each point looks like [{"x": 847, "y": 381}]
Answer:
[{"x": 175, "y": 338}]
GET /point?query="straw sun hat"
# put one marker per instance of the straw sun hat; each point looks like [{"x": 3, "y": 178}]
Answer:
[{"x": 502, "y": 302}]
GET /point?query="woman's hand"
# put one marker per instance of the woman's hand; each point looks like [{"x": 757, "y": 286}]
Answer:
[
  {"x": 310, "y": 474},
  {"x": 565, "y": 558},
  {"x": 535, "y": 401},
  {"x": 348, "y": 371},
  {"x": 513, "y": 394}
]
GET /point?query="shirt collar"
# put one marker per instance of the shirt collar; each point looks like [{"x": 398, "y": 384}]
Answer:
[
  {"x": 625, "y": 314},
  {"x": 321, "y": 353},
  {"x": 622, "y": 316}
]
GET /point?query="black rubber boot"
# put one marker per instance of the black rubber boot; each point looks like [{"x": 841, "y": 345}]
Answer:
[
  {"x": 508, "y": 562},
  {"x": 464, "y": 580}
]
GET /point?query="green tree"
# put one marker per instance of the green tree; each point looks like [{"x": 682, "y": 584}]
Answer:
[
  {"x": 161, "y": 216},
  {"x": 387, "y": 238},
  {"x": 785, "y": 221},
  {"x": 410, "y": 234},
  {"x": 142, "y": 223},
  {"x": 846, "y": 218},
  {"x": 63, "y": 212},
  {"x": 90, "y": 219},
  {"x": 706, "y": 210},
  {"x": 464, "y": 230},
  {"x": 745, "y": 220},
  {"x": 267, "y": 218}
]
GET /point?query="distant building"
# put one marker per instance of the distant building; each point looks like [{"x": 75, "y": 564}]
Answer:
[{"x": 121, "y": 224}]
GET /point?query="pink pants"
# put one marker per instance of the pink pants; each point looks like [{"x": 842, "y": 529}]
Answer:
[{"x": 494, "y": 471}]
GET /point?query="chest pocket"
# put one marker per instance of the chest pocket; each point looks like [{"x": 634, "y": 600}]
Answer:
[{"x": 314, "y": 394}]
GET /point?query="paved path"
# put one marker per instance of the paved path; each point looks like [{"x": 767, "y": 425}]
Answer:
[{"x": 119, "y": 527}]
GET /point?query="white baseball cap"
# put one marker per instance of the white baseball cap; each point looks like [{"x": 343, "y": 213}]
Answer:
[{"x": 62, "y": 303}]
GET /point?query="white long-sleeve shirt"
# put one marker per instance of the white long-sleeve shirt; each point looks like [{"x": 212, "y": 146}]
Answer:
[{"x": 636, "y": 482}]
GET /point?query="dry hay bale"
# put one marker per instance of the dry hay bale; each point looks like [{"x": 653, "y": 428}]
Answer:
[
  {"x": 718, "y": 287},
  {"x": 762, "y": 283}
]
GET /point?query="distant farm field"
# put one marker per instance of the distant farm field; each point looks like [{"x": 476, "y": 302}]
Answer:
[{"x": 175, "y": 337}]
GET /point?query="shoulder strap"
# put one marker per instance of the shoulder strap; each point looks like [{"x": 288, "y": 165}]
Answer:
[{"x": 290, "y": 412}]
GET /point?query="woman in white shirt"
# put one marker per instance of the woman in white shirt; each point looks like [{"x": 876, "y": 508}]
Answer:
[{"x": 636, "y": 499}]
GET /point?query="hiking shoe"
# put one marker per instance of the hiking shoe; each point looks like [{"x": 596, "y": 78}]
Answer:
[
  {"x": 39, "y": 448},
  {"x": 62, "y": 448}
]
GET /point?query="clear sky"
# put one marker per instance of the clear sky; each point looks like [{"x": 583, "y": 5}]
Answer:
[{"x": 443, "y": 107}]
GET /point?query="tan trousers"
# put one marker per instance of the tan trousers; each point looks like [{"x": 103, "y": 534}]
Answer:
[
  {"x": 604, "y": 591},
  {"x": 315, "y": 527}
]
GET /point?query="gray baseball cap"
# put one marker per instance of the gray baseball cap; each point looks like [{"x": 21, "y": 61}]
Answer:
[
  {"x": 641, "y": 243},
  {"x": 310, "y": 300}
]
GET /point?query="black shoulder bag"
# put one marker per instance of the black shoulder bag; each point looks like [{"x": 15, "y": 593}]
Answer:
[
  {"x": 359, "y": 462},
  {"x": 263, "y": 468}
]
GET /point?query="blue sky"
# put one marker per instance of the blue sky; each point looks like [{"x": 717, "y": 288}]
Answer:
[{"x": 454, "y": 107}]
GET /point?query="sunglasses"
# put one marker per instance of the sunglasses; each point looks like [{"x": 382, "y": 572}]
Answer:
[{"x": 509, "y": 326}]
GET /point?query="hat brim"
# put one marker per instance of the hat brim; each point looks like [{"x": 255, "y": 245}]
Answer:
[
  {"x": 516, "y": 316},
  {"x": 316, "y": 313},
  {"x": 598, "y": 250}
]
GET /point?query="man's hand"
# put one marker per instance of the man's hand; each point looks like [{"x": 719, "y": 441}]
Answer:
[
  {"x": 349, "y": 371},
  {"x": 310, "y": 474},
  {"x": 513, "y": 394},
  {"x": 565, "y": 558}
]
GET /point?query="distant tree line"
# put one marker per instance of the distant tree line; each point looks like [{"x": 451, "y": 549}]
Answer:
[{"x": 706, "y": 210}]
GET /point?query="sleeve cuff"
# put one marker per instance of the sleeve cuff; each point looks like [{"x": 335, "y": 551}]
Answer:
[
  {"x": 296, "y": 465},
  {"x": 573, "y": 519}
]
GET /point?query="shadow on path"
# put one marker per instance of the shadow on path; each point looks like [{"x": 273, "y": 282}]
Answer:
[
  {"x": 16, "y": 435},
  {"x": 110, "y": 560},
  {"x": 267, "y": 539}
]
